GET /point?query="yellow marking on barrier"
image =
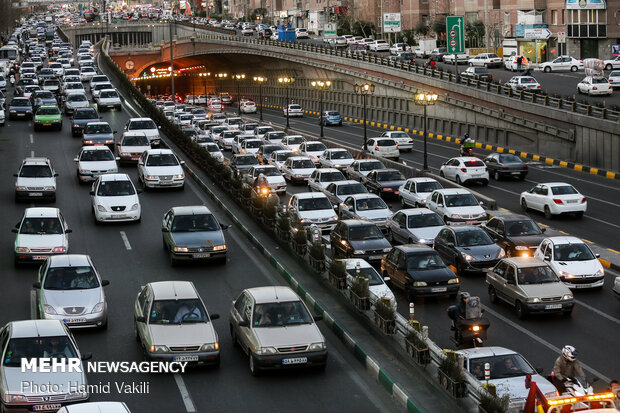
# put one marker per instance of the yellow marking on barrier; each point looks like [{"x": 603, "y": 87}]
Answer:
[
  {"x": 536, "y": 157},
  {"x": 594, "y": 171},
  {"x": 399, "y": 129},
  {"x": 478, "y": 145},
  {"x": 448, "y": 138},
  {"x": 407, "y": 130},
  {"x": 605, "y": 263},
  {"x": 392, "y": 127},
  {"x": 512, "y": 151},
  {"x": 385, "y": 126},
  {"x": 563, "y": 232},
  {"x": 612, "y": 250},
  {"x": 579, "y": 168},
  {"x": 440, "y": 137},
  {"x": 457, "y": 140},
  {"x": 611, "y": 175},
  {"x": 414, "y": 131},
  {"x": 421, "y": 133},
  {"x": 549, "y": 161},
  {"x": 563, "y": 164},
  {"x": 523, "y": 154},
  {"x": 430, "y": 135},
  {"x": 488, "y": 147},
  {"x": 372, "y": 124},
  {"x": 588, "y": 241},
  {"x": 500, "y": 149}
]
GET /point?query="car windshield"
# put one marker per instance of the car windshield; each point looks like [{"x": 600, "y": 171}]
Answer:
[
  {"x": 572, "y": 252},
  {"x": 97, "y": 128},
  {"x": 522, "y": 227},
  {"x": 315, "y": 147},
  {"x": 364, "y": 232},
  {"x": 48, "y": 111},
  {"x": 472, "y": 238},
  {"x": 503, "y": 366},
  {"x": 369, "y": 166},
  {"x": 246, "y": 160},
  {"x": 296, "y": 140},
  {"x": 85, "y": 114},
  {"x": 76, "y": 97},
  {"x": 41, "y": 226},
  {"x": 162, "y": 159},
  {"x": 563, "y": 190},
  {"x": 509, "y": 159},
  {"x": 97, "y": 155},
  {"x": 51, "y": 82},
  {"x": 135, "y": 141},
  {"x": 276, "y": 135},
  {"x": 314, "y": 204},
  {"x": 272, "y": 171},
  {"x": 341, "y": 155},
  {"x": 142, "y": 124},
  {"x": 35, "y": 171},
  {"x": 281, "y": 157},
  {"x": 536, "y": 275},
  {"x": 194, "y": 223},
  {"x": 70, "y": 278},
  {"x": 425, "y": 261},
  {"x": 219, "y": 129},
  {"x": 115, "y": 188},
  {"x": 390, "y": 176},
  {"x": 369, "y": 272},
  {"x": 460, "y": 200},
  {"x": 109, "y": 94},
  {"x": 350, "y": 189},
  {"x": 212, "y": 147},
  {"x": 29, "y": 348},
  {"x": 178, "y": 312},
  {"x": 369, "y": 204},
  {"x": 280, "y": 314},
  {"x": 332, "y": 176},
  {"x": 424, "y": 220},
  {"x": 20, "y": 102}
]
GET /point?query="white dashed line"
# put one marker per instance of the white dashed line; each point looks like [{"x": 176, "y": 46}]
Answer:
[
  {"x": 597, "y": 311},
  {"x": 187, "y": 400},
  {"x": 125, "y": 240},
  {"x": 31, "y": 138},
  {"x": 32, "y": 154}
]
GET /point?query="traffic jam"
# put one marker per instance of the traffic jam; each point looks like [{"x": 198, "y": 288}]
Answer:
[{"x": 416, "y": 240}]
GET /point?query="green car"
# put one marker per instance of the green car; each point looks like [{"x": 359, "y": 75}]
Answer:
[{"x": 48, "y": 117}]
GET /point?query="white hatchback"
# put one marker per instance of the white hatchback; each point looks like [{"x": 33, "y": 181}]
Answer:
[
  {"x": 456, "y": 206},
  {"x": 554, "y": 198},
  {"x": 298, "y": 168},
  {"x": 115, "y": 198},
  {"x": 465, "y": 169},
  {"x": 415, "y": 191},
  {"x": 385, "y": 147},
  {"x": 313, "y": 150}
]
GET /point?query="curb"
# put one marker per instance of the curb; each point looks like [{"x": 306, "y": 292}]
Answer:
[
  {"x": 609, "y": 264},
  {"x": 368, "y": 362}
]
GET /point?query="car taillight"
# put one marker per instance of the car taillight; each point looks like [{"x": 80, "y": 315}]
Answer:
[
  {"x": 376, "y": 147},
  {"x": 583, "y": 199},
  {"x": 594, "y": 88},
  {"x": 490, "y": 76},
  {"x": 538, "y": 87},
  {"x": 486, "y": 169},
  {"x": 525, "y": 167},
  {"x": 463, "y": 169},
  {"x": 558, "y": 201},
  {"x": 505, "y": 168}
]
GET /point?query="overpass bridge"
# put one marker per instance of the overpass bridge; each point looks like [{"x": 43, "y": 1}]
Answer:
[{"x": 541, "y": 124}]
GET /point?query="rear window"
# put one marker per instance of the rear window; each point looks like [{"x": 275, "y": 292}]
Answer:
[
  {"x": 386, "y": 142},
  {"x": 85, "y": 114},
  {"x": 563, "y": 190},
  {"x": 142, "y": 124},
  {"x": 601, "y": 80},
  {"x": 473, "y": 163}
]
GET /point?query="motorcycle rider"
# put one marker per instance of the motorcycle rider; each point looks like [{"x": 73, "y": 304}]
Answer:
[
  {"x": 566, "y": 367},
  {"x": 261, "y": 182},
  {"x": 467, "y": 146},
  {"x": 457, "y": 312}
]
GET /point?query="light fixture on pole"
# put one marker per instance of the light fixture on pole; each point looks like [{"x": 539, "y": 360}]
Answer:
[
  {"x": 260, "y": 80},
  {"x": 286, "y": 81},
  {"x": 221, "y": 76},
  {"x": 204, "y": 75},
  {"x": 239, "y": 78},
  {"x": 425, "y": 99},
  {"x": 321, "y": 85},
  {"x": 365, "y": 89}
]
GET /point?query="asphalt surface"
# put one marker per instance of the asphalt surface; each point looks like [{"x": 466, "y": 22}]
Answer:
[{"x": 130, "y": 255}]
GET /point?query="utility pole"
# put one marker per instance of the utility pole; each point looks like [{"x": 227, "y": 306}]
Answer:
[
  {"x": 172, "y": 64},
  {"x": 486, "y": 24}
]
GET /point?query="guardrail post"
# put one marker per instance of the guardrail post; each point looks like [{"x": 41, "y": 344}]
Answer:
[
  {"x": 488, "y": 86},
  {"x": 573, "y": 106},
  {"x": 560, "y": 103},
  {"x": 477, "y": 83},
  {"x": 499, "y": 89},
  {"x": 534, "y": 95},
  {"x": 509, "y": 92},
  {"x": 546, "y": 100},
  {"x": 588, "y": 110},
  {"x": 521, "y": 94},
  {"x": 604, "y": 113}
]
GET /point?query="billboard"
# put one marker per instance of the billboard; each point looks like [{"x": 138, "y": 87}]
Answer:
[{"x": 391, "y": 22}]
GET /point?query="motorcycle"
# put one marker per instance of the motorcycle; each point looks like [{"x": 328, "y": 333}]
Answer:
[
  {"x": 12, "y": 80},
  {"x": 470, "y": 329},
  {"x": 467, "y": 151}
]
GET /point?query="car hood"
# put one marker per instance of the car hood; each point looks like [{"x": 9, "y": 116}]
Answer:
[
  {"x": 13, "y": 378},
  {"x": 513, "y": 386},
  {"x": 73, "y": 298},
  {"x": 164, "y": 170},
  {"x": 342, "y": 162},
  {"x": 97, "y": 165},
  {"x": 288, "y": 336},
  {"x": 371, "y": 244},
  {"x": 391, "y": 184},
  {"x": 577, "y": 267},
  {"x": 426, "y": 233},
  {"x": 383, "y": 290},
  {"x": 35, "y": 182},
  {"x": 482, "y": 252},
  {"x": 77, "y": 104},
  {"x": 320, "y": 213},
  {"x": 147, "y": 132},
  {"x": 41, "y": 241},
  {"x": 528, "y": 240},
  {"x": 182, "y": 334},
  {"x": 198, "y": 239},
  {"x": 436, "y": 274},
  {"x": 303, "y": 171},
  {"x": 545, "y": 290},
  {"x": 275, "y": 180},
  {"x": 104, "y": 136},
  {"x": 110, "y": 201},
  {"x": 134, "y": 149},
  {"x": 465, "y": 210},
  {"x": 375, "y": 214}
]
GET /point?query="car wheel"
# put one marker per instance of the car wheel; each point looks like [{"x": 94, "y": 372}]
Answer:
[
  {"x": 547, "y": 69},
  {"x": 521, "y": 311},
  {"x": 608, "y": 67},
  {"x": 493, "y": 295},
  {"x": 441, "y": 174},
  {"x": 573, "y": 68},
  {"x": 458, "y": 180},
  {"x": 253, "y": 368},
  {"x": 548, "y": 212},
  {"x": 523, "y": 204},
  {"x": 496, "y": 176}
]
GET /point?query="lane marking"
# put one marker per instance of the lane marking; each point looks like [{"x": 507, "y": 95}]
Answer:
[
  {"x": 31, "y": 138},
  {"x": 599, "y": 312},
  {"x": 125, "y": 240},
  {"x": 187, "y": 400},
  {"x": 612, "y": 250},
  {"x": 33, "y": 304},
  {"x": 32, "y": 154},
  {"x": 589, "y": 242},
  {"x": 542, "y": 341}
]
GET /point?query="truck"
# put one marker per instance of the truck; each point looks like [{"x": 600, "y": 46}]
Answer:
[
  {"x": 425, "y": 46},
  {"x": 594, "y": 68}
]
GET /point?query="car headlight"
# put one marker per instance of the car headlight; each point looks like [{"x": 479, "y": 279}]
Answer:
[
  {"x": 565, "y": 274},
  {"x": 75, "y": 125},
  {"x": 600, "y": 272},
  {"x": 159, "y": 349},
  {"x": 359, "y": 252},
  {"x": 266, "y": 350},
  {"x": 567, "y": 297},
  {"x": 454, "y": 280},
  {"x": 77, "y": 395},
  {"x": 20, "y": 188},
  {"x": 101, "y": 208},
  {"x": 316, "y": 347},
  {"x": 49, "y": 188},
  {"x": 22, "y": 249},
  {"x": 210, "y": 346},
  {"x": 521, "y": 248},
  {"x": 467, "y": 257},
  {"x": 419, "y": 284},
  {"x": 109, "y": 141},
  {"x": 181, "y": 249},
  {"x": 150, "y": 177},
  {"x": 334, "y": 218},
  {"x": 424, "y": 241},
  {"x": 134, "y": 207},
  {"x": 12, "y": 111},
  {"x": 48, "y": 309},
  {"x": 15, "y": 398},
  {"x": 219, "y": 247},
  {"x": 533, "y": 300},
  {"x": 501, "y": 254},
  {"x": 98, "y": 308}
]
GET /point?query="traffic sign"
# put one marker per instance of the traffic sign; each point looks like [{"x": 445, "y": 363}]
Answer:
[
  {"x": 561, "y": 37},
  {"x": 537, "y": 34},
  {"x": 456, "y": 34}
]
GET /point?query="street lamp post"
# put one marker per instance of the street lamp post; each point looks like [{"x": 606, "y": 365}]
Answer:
[
  {"x": 204, "y": 76},
  {"x": 260, "y": 80},
  {"x": 221, "y": 76},
  {"x": 239, "y": 78},
  {"x": 365, "y": 89},
  {"x": 321, "y": 85},
  {"x": 285, "y": 81},
  {"x": 424, "y": 99}
]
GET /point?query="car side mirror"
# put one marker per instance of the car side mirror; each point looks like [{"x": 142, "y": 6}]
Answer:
[
  {"x": 386, "y": 279},
  {"x": 336, "y": 207},
  {"x": 317, "y": 317},
  {"x": 182, "y": 162},
  {"x": 15, "y": 175},
  {"x": 105, "y": 283},
  {"x": 450, "y": 244},
  {"x": 543, "y": 230},
  {"x": 118, "y": 158},
  {"x": 243, "y": 323},
  {"x": 214, "y": 316},
  {"x": 597, "y": 255},
  {"x": 76, "y": 160},
  {"x": 55, "y": 174},
  {"x": 164, "y": 230},
  {"x": 36, "y": 285},
  {"x": 86, "y": 356},
  {"x": 481, "y": 203},
  {"x": 439, "y": 204},
  {"x": 68, "y": 231},
  {"x": 495, "y": 239},
  {"x": 224, "y": 226},
  {"x": 141, "y": 319},
  {"x": 91, "y": 193},
  {"x": 547, "y": 258}
]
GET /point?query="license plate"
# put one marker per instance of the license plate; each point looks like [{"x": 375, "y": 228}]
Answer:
[
  {"x": 46, "y": 407},
  {"x": 571, "y": 201},
  {"x": 516, "y": 173},
  {"x": 186, "y": 358},
  {"x": 39, "y": 257},
  {"x": 582, "y": 285},
  {"x": 74, "y": 320},
  {"x": 165, "y": 182},
  {"x": 135, "y": 158},
  {"x": 21, "y": 114},
  {"x": 439, "y": 289},
  {"x": 202, "y": 255},
  {"x": 35, "y": 193},
  {"x": 47, "y": 124},
  {"x": 553, "y": 306},
  {"x": 118, "y": 216},
  {"x": 298, "y": 360}
]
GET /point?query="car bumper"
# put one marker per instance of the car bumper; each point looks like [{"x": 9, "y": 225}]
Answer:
[
  {"x": 35, "y": 194},
  {"x": 82, "y": 321},
  {"x": 277, "y": 361},
  {"x": 156, "y": 183},
  {"x": 568, "y": 208},
  {"x": 545, "y": 307},
  {"x": 332, "y": 121},
  {"x": 90, "y": 177},
  {"x": 109, "y": 105},
  {"x": 20, "y": 115},
  {"x": 199, "y": 256},
  {"x": 36, "y": 258},
  {"x": 584, "y": 282},
  {"x": 464, "y": 221},
  {"x": 372, "y": 259},
  {"x": 54, "y": 124},
  {"x": 482, "y": 178},
  {"x": 123, "y": 216},
  {"x": 129, "y": 158},
  {"x": 295, "y": 114},
  {"x": 514, "y": 173},
  {"x": 433, "y": 291},
  {"x": 30, "y": 407},
  {"x": 205, "y": 358},
  {"x": 477, "y": 266},
  {"x": 300, "y": 178}
]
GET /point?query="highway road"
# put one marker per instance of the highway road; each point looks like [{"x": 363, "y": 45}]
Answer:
[{"x": 130, "y": 255}]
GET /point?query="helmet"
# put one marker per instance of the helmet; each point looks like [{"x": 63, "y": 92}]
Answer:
[
  {"x": 569, "y": 353},
  {"x": 464, "y": 295},
  {"x": 466, "y": 136}
]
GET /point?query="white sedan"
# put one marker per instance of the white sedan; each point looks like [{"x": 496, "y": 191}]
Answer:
[
  {"x": 294, "y": 110},
  {"x": 160, "y": 168},
  {"x": 465, "y": 169},
  {"x": 93, "y": 161},
  {"x": 486, "y": 60},
  {"x": 612, "y": 63},
  {"x": 460, "y": 58},
  {"x": 562, "y": 63},
  {"x": 379, "y": 46},
  {"x": 554, "y": 198},
  {"x": 595, "y": 86},
  {"x": 115, "y": 198}
]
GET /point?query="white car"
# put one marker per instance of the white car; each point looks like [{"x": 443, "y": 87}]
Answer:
[
  {"x": 160, "y": 168},
  {"x": 114, "y": 198},
  {"x": 464, "y": 170},
  {"x": 274, "y": 177},
  {"x": 301, "y": 33},
  {"x": 40, "y": 233},
  {"x": 227, "y": 137},
  {"x": 72, "y": 88},
  {"x": 415, "y": 191},
  {"x": 385, "y": 147},
  {"x": 573, "y": 261},
  {"x": 562, "y": 63},
  {"x": 96, "y": 407},
  {"x": 292, "y": 142},
  {"x": 131, "y": 146},
  {"x": 294, "y": 110},
  {"x": 2, "y": 82},
  {"x": 308, "y": 208},
  {"x": 237, "y": 141},
  {"x": 527, "y": 83},
  {"x": 93, "y": 161},
  {"x": 398, "y": 48},
  {"x": 146, "y": 126},
  {"x": 614, "y": 78},
  {"x": 313, "y": 150},
  {"x": 612, "y": 63},
  {"x": 456, "y": 206},
  {"x": 213, "y": 150},
  {"x": 97, "y": 80},
  {"x": 298, "y": 169},
  {"x": 338, "y": 158},
  {"x": 377, "y": 287},
  {"x": 260, "y": 131},
  {"x": 369, "y": 207},
  {"x": 460, "y": 58},
  {"x": 2, "y": 116},
  {"x": 36, "y": 179},
  {"x": 248, "y": 107},
  {"x": 322, "y": 177},
  {"x": 250, "y": 146},
  {"x": 486, "y": 60},
  {"x": 595, "y": 86},
  {"x": 404, "y": 141},
  {"x": 59, "y": 71},
  {"x": 87, "y": 73},
  {"x": 379, "y": 46},
  {"x": 277, "y": 158},
  {"x": 359, "y": 169},
  {"x": 554, "y": 198},
  {"x": 233, "y": 123},
  {"x": 414, "y": 226},
  {"x": 510, "y": 63},
  {"x": 108, "y": 99},
  {"x": 215, "y": 105}
]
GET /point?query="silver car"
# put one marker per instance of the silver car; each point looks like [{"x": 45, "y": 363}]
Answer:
[
  {"x": 172, "y": 324},
  {"x": 96, "y": 407},
  {"x": 70, "y": 289},
  {"x": 414, "y": 226},
  {"x": 25, "y": 390},
  {"x": 275, "y": 329}
]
